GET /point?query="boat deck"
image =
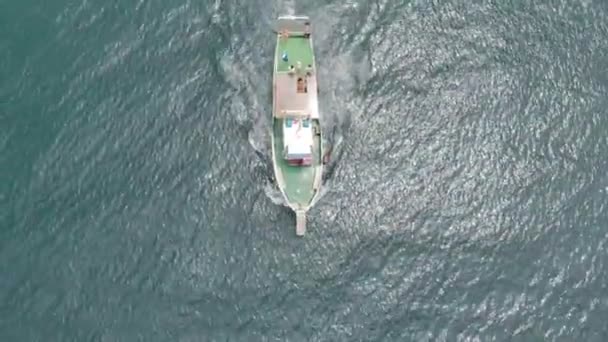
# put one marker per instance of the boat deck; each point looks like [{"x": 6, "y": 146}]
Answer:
[
  {"x": 298, "y": 48},
  {"x": 298, "y": 181},
  {"x": 286, "y": 96}
]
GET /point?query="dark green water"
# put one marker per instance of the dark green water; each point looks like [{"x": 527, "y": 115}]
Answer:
[{"x": 467, "y": 198}]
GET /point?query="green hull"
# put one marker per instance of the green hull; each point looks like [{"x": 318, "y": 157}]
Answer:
[{"x": 299, "y": 184}]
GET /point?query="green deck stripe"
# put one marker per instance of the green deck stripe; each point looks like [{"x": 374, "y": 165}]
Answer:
[{"x": 298, "y": 49}]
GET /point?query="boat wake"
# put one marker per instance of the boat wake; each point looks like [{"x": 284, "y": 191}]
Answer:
[
  {"x": 288, "y": 7},
  {"x": 274, "y": 194},
  {"x": 253, "y": 118},
  {"x": 259, "y": 138},
  {"x": 343, "y": 76}
]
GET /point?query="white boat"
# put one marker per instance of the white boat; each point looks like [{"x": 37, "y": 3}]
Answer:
[{"x": 297, "y": 151}]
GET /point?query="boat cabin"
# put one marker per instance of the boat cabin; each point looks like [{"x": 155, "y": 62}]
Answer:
[{"x": 297, "y": 140}]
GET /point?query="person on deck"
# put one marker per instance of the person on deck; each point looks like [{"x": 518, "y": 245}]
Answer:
[{"x": 301, "y": 85}]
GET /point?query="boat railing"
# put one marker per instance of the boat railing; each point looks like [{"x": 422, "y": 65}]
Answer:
[{"x": 293, "y": 25}]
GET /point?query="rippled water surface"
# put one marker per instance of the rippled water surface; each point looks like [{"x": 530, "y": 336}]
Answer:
[{"x": 466, "y": 199}]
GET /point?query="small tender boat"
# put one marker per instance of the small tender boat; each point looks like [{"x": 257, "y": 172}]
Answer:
[{"x": 297, "y": 151}]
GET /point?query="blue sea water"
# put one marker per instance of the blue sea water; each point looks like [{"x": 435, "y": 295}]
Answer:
[{"x": 466, "y": 198}]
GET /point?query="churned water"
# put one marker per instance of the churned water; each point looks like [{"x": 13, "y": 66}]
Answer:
[{"x": 466, "y": 198}]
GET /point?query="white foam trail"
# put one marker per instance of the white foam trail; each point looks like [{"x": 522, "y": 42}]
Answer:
[
  {"x": 324, "y": 190},
  {"x": 290, "y": 7},
  {"x": 257, "y": 139},
  {"x": 340, "y": 77},
  {"x": 249, "y": 111},
  {"x": 274, "y": 194},
  {"x": 247, "y": 107}
]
